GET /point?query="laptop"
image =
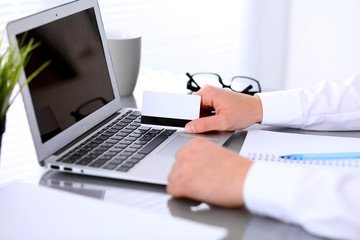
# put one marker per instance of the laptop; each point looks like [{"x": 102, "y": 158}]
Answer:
[{"x": 73, "y": 107}]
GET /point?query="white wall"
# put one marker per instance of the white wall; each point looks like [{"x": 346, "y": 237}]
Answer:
[
  {"x": 324, "y": 41},
  {"x": 267, "y": 52}
]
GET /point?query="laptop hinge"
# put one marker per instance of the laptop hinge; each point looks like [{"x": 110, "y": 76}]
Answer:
[{"x": 89, "y": 132}]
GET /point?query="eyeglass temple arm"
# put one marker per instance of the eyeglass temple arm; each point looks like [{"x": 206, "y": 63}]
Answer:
[
  {"x": 192, "y": 81},
  {"x": 257, "y": 82},
  {"x": 247, "y": 89}
]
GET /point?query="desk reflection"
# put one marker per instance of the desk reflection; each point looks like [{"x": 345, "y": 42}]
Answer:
[{"x": 240, "y": 224}]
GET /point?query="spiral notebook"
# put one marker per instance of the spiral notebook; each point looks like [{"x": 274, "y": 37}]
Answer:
[{"x": 263, "y": 145}]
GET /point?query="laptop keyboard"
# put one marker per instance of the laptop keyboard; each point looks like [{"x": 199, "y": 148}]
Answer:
[{"x": 120, "y": 145}]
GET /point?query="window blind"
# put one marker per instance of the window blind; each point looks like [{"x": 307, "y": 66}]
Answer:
[
  {"x": 177, "y": 35},
  {"x": 186, "y": 35}
]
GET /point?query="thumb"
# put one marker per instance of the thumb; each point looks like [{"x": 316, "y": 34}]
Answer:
[{"x": 203, "y": 124}]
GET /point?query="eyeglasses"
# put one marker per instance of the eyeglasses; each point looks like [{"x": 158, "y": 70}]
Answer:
[{"x": 240, "y": 84}]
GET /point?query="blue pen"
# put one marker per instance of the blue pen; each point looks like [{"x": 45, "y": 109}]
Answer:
[{"x": 323, "y": 156}]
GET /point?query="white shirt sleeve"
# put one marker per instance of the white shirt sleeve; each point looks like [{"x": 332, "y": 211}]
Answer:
[
  {"x": 329, "y": 106},
  {"x": 324, "y": 201}
]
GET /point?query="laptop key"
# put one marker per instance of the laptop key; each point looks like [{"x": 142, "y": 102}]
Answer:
[
  {"x": 168, "y": 132},
  {"x": 110, "y": 166},
  {"x": 128, "y": 131},
  {"x": 130, "y": 139},
  {"x": 133, "y": 160},
  {"x": 117, "y": 127},
  {"x": 120, "y": 158},
  {"x": 126, "y": 121},
  {"x": 87, "y": 148},
  {"x": 105, "y": 158},
  {"x": 128, "y": 164},
  {"x": 156, "y": 131},
  {"x": 67, "y": 160},
  {"x": 112, "y": 141},
  {"x": 136, "y": 124},
  {"x": 144, "y": 128},
  {"x": 111, "y": 130},
  {"x": 107, "y": 134},
  {"x": 96, "y": 153},
  {"x": 102, "y": 149},
  {"x": 117, "y": 138},
  {"x": 123, "y": 169},
  {"x": 97, "y": 163},
  {"x": 130, "y": 150},
  {"x": 102, "y": 138},
  {"x": 141, "y": 142},
  {"x": 97, "y": 141},
  {"x": 122, "y": 125},
  {"x": 140, "y": 131},
  {"x": 153, "y": 144},
  {"x": 120, "y": 145},
  {"x": 135, "y": 135},
  {"x": 148, "y": 136},
  {"x": 92, "y": 145},
  {"x": 126, "y": 142},
  {"x": 116, "y": 161},
  {"x": 126, "y": 154},
  {"x": 131, "y": 117},
  {"x": 138, "y": 156},
  {"x": 121, "y": 134},
  {"x": 83, "y": 162},
  {"x": 136, "y": 113},
  {"x": 110, "y": 153},
  {"x": 135, "y": 146},
  {"x": 90, "y": 157},
  {"x": 106, "y": 145},
  {"x": 128, "y": 112}
]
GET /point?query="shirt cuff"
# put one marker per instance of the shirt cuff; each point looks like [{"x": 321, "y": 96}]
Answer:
[{"x": 282, "y": 108}]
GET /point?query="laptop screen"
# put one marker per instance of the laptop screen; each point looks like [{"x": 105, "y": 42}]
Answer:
[{"x": 77, "y": 82}]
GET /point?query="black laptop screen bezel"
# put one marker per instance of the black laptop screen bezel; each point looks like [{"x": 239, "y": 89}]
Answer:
[{"x": 46, "y": 148}]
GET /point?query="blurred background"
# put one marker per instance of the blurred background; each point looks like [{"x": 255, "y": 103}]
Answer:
[{"x": 282, "y": 43}]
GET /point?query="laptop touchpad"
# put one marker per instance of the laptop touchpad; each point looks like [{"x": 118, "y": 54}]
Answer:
[{"x": 173, "y": 146}]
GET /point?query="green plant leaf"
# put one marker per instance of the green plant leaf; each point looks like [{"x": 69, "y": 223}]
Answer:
[{"x": 12, "y": 62}]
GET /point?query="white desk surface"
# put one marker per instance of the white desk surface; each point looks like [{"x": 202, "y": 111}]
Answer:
[{"x": 19, "y": 163}]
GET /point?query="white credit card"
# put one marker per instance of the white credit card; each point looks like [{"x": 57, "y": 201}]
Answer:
[{"x": 169, "y": 109}]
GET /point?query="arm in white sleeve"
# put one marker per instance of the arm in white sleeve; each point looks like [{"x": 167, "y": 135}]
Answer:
[
  {"x": 324, "y": 201},
  {"x": 330, "y": 106}
]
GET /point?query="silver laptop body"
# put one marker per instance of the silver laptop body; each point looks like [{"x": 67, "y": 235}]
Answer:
[{"x": 75, "y": 101}]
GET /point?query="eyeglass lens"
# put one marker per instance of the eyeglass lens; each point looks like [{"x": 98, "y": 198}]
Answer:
[
  {"x": 241, "y": 84},
  {"x": 203, "y": 79}
]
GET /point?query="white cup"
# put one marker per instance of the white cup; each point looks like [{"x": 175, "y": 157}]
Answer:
[{"x": 125, "y": 51}]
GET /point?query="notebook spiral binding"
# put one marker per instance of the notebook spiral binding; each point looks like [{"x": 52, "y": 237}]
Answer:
[{"x": 325, "y": 162}]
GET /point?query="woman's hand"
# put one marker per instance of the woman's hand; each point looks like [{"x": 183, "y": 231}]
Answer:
[{"x": 233, "y": 111}]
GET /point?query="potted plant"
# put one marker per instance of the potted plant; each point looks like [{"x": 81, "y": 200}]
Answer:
[{"x": 12, "y": 62}]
